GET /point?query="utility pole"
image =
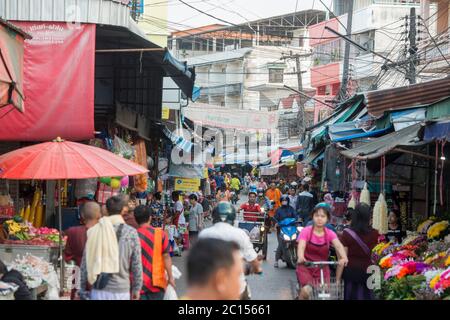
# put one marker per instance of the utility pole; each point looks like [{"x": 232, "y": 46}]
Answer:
[
  {"x": 301, "y": 123},
  {"x": 410, "y": 63},
  {"x": 412, "y": 47},
  {"x": 344, "y": 82}
]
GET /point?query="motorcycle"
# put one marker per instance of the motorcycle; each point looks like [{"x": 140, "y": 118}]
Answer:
[{"x": 289, "y": 232}]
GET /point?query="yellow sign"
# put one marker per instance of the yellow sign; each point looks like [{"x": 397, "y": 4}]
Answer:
[
  {"x": 165, "y": 115},
  {"x": 187, "y": 184}
]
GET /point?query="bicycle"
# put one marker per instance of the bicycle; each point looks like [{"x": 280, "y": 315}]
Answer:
[{"x": 326, "y": 291}]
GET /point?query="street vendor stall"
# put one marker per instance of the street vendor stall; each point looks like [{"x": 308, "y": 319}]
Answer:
[
  {"x": 58, "y": 160},
  {"x": 419, "y": 267}
]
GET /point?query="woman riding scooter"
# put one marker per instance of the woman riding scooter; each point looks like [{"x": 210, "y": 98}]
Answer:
[{"x": 314, "y": 246}]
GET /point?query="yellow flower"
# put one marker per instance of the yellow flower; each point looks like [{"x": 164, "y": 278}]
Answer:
[
  {"x": 435, "y": 230},
  {"x": 434, "y": 281},
  {"x": 447, "y": 262}
]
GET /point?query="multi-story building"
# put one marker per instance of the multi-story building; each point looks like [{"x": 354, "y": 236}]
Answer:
[
  {"x": 379, "y": 26},
  {"x": 248, "y": 78},
  {"x": 151, "y": 16},
  {"x": 434, "y": 44},
  {"x": 246, "y": 67},
  {"x": 286, "y": 30}
]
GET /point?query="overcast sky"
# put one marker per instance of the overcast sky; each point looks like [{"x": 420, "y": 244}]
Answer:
[{"x": 235, "y": 11}]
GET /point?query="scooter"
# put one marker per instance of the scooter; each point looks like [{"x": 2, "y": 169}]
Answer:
[{"x": 289, "y": 232}]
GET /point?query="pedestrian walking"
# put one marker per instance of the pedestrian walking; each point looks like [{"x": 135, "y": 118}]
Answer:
[
  {"x": 77, "y": 236},
  {"x": 195, "y": 218},
  {"x": 112, "y": 258},
  {"x": 358, "y": 240},
  {"x": 156, "y": 260},
  {"x": 305, "y": 204}
]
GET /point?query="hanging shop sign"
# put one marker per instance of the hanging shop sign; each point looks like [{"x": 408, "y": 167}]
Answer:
[
  {"x": 187, "y": 184},
  {"x": 165, "y": 114},
  {"x": 231, "y": 118}
]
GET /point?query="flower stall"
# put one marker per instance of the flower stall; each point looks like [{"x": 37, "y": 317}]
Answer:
[{"x": 419, "y": 267}]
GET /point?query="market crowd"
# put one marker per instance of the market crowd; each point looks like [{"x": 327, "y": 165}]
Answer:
[{"x": 124, "y": 249}]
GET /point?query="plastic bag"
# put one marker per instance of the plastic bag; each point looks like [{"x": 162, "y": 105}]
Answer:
[
  {"x": 123, "y": 148},
  {"x": 255, "y": 233},
  {"x": 85, "y": 188},
  {"x": 170, "y": 293}
]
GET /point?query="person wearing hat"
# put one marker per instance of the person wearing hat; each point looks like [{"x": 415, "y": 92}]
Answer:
[{"x": 224, "y": 216}]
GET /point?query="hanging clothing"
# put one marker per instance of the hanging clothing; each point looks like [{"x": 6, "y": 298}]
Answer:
[{"x": 334, "y": 171}]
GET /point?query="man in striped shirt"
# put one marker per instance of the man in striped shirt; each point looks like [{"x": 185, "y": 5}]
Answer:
[{"x": 156, "y": 258}]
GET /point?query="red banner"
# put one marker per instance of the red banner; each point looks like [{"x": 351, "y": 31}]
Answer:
[{"x": 59, "y": 64}]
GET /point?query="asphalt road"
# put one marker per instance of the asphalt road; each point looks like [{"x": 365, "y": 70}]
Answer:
[{"x": 273, "y": 284}]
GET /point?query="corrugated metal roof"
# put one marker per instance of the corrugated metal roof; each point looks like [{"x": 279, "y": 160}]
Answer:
[
  {"x": 110, "y": 12},
  {"x": 219, "y": 57},
  {"x": 407, "y": 97}
]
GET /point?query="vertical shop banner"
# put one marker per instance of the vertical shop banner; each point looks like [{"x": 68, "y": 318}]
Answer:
[{"x": 59, "y": 64}]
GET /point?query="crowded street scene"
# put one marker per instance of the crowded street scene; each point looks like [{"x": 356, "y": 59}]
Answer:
[{"x": 238, "y": 150}]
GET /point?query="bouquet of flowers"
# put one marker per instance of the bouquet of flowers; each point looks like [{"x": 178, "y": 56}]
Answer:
[
  {"x": 406, "y": 268},
  {"x": 438, "y": 230},
  {"x": 423, "y": 227},
  {"x": 396, "y": 258},
  {"x": 440, "y": 284},
  {"x": 380, "y": 250}
]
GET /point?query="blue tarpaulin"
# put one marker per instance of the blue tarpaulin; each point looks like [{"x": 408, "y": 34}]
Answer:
[
  {"x": 181, "y": 74},
  {"x": 438, "y": 130}
]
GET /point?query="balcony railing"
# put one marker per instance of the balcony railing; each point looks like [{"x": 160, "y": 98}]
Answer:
[{"x": 227, "y": 89}]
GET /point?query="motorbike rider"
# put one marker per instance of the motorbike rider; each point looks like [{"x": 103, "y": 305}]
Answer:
[
  {"x": 283, "y": 212},
  {"x": 263, "y": 201},
  {"x": 223, "y": 218},
  {"x": 251, "y": 206}
]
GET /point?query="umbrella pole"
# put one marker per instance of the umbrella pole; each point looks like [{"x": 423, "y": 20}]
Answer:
[{"x": 61, "y": 290}]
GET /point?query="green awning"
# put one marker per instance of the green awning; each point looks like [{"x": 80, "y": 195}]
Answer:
[
  {"x": 313, "y": 156},
  {"x": 349, "y": 113},
  {"x": 439, "y": 110}
]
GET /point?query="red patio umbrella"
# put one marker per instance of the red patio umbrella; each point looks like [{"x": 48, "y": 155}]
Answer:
[
  {"x": 58, "y": 160},
  {"x": 64, "y": 160}
]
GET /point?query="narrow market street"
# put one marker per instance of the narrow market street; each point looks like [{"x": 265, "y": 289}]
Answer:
[{"x": 273, "y": 284}]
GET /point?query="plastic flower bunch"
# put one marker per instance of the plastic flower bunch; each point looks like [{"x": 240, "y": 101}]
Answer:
[
  {"x": 441, "y": 282},
  {"x": 380, "y": 250},
  {"x": 423, "y": 227},
  {"x": 406, "y": 268},
  {"x": 435, "y": 231},
  {"x": 396, "y": 258},
  {"x": 435, "y": 258}
]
